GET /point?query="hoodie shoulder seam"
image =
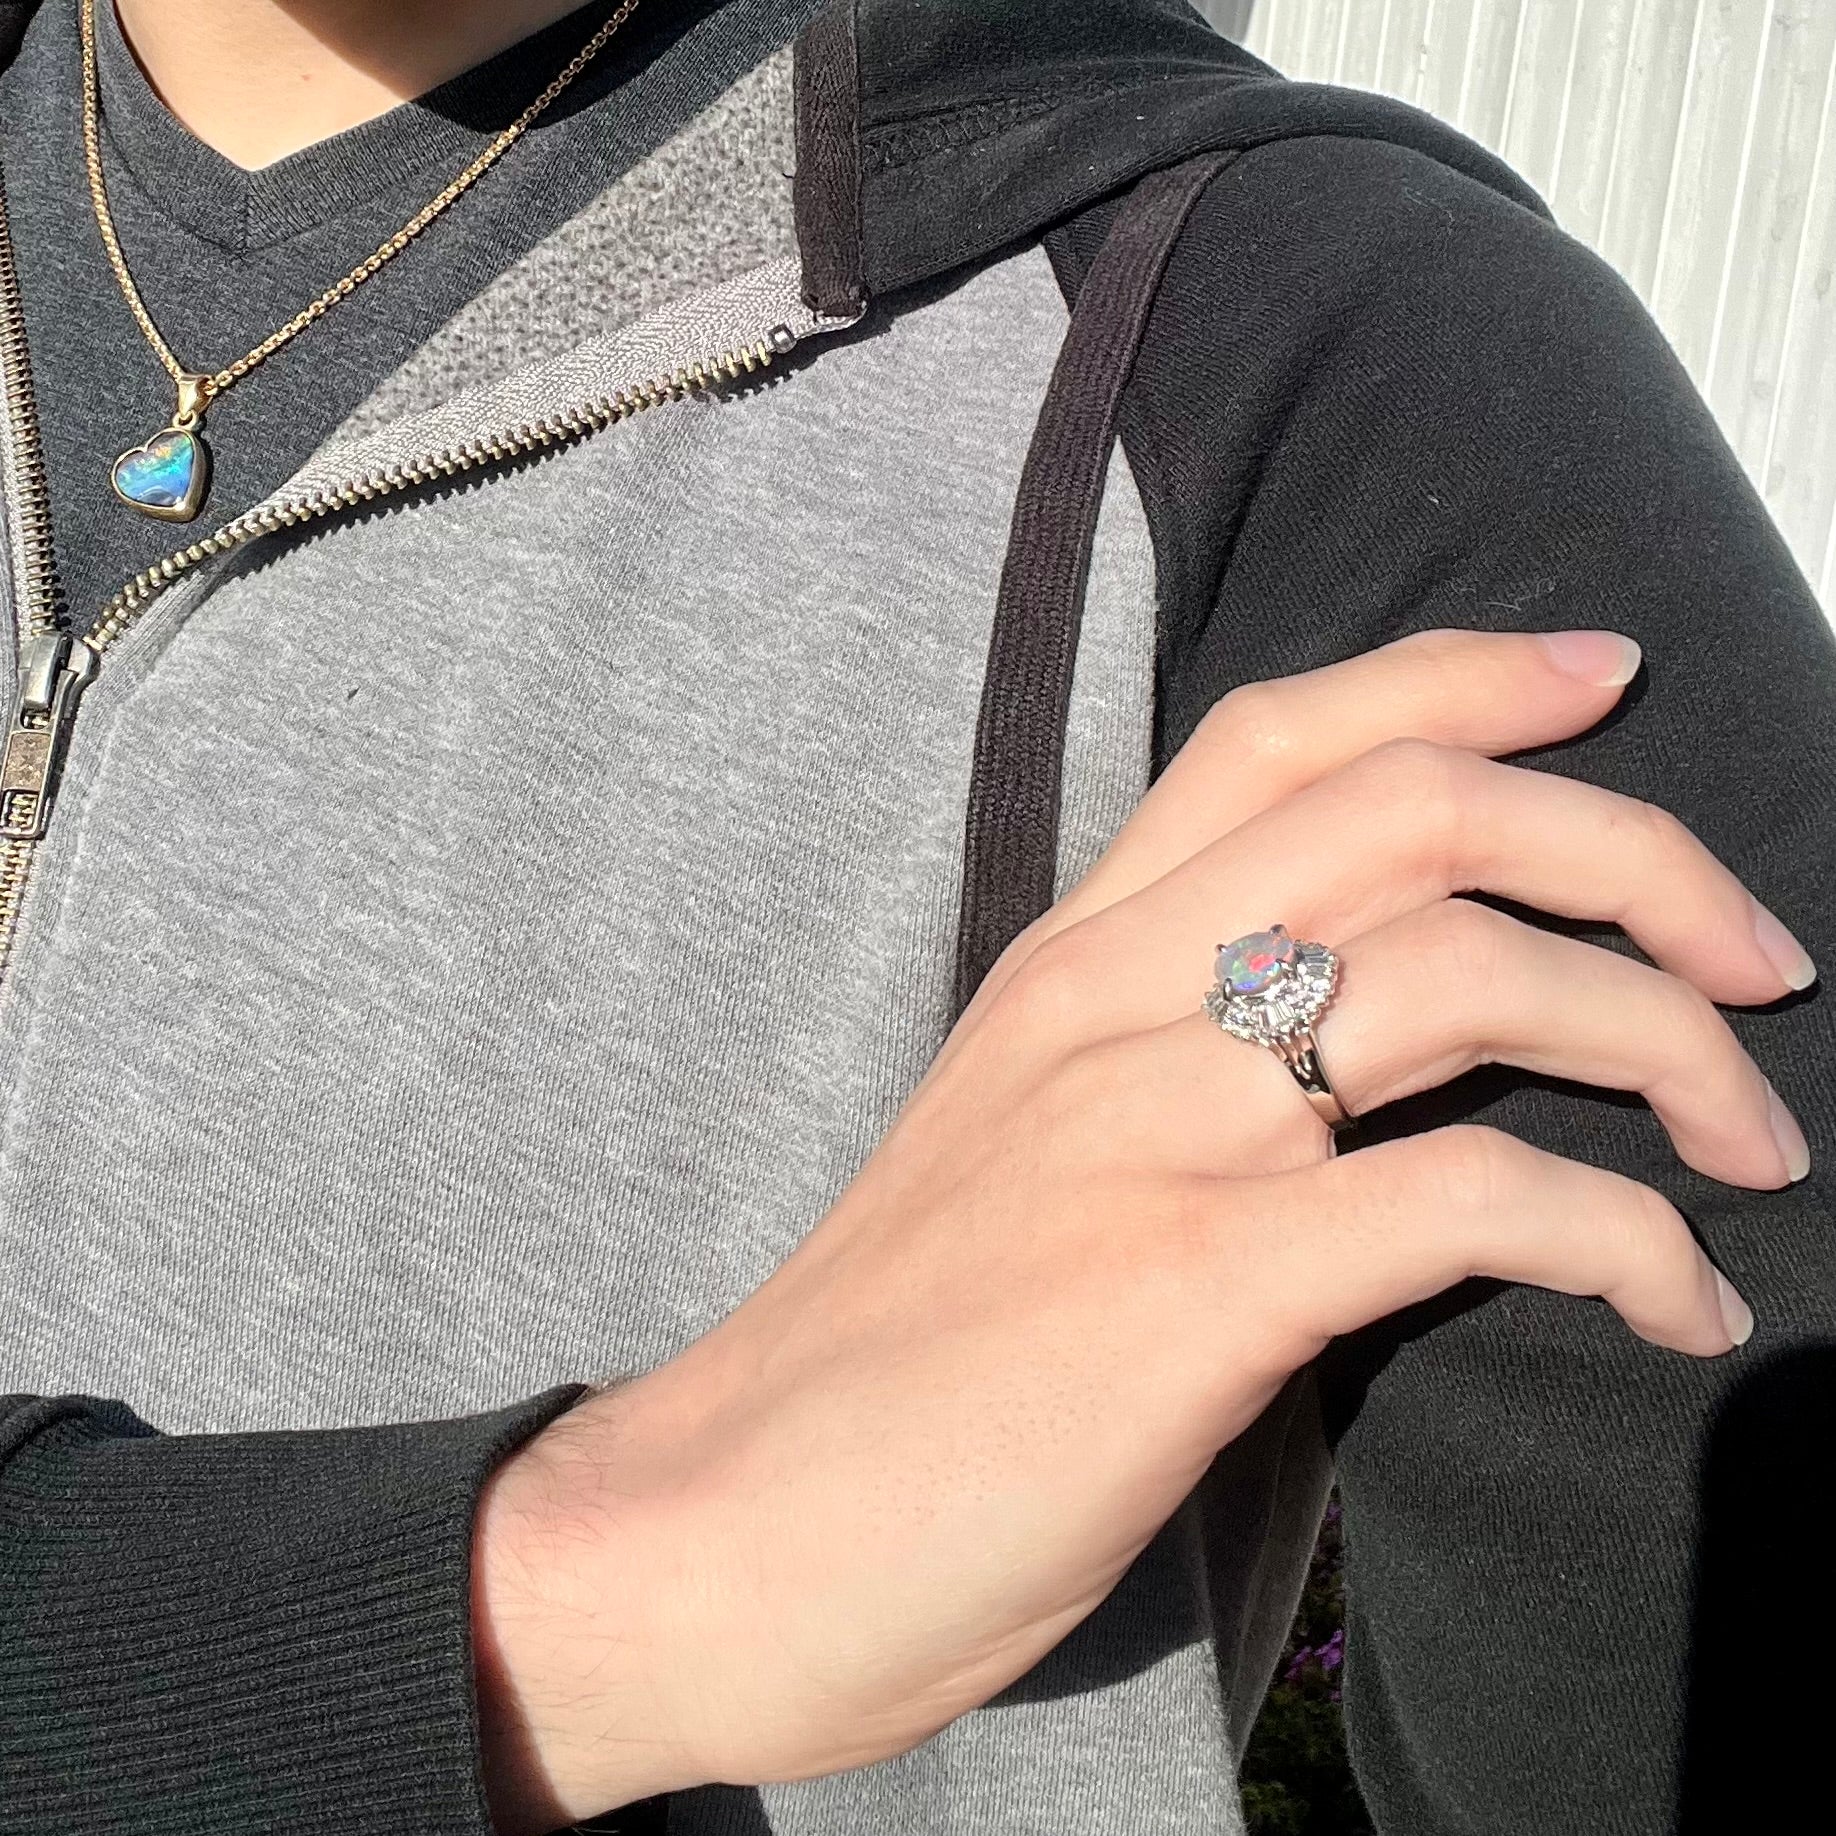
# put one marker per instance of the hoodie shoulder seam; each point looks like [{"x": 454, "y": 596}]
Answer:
[{"x": 915, "y": 138}]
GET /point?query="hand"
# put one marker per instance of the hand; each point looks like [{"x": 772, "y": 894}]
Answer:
[{"x": 1101, "y": 1235}]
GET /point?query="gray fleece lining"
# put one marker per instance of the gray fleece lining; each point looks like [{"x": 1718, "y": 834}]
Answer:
[
  {"x": 713, "y": 201},
  {"x": 763, "y": 306}
]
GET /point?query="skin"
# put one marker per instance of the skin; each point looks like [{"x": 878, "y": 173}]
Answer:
[
  {"x": 260, "y": 79},
  {"x": 933, "y": 1441}
]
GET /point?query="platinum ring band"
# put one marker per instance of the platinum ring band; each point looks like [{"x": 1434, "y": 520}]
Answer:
[
  {"x": 1269, "y": 990},
  {"x": 1302, "y": 1057}
]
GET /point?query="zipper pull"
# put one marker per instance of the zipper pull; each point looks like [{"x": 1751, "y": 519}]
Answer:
[{"x": 53, "y": 670}]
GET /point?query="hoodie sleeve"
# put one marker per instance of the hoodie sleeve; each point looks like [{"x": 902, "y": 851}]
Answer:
[
  {"x": 231, "y": 1633},
  {"x": 1375, "y": 396}
]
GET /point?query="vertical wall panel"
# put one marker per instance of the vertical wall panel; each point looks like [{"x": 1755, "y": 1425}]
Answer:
[
  {"x": 1690, "y": 142},
  {"x": 1590, "y": 138},
  {"x": 1755, "y": 316},
  {"x": 1361, "y": 42},
  {"x": 1403, "y": 61},
  {"x": 1490, "y": 89},
  {"x": 1451, "y": 41},
  {"x": 1646, "y": 135},
  {"x": 1541, "y": 69},
  {"x": 1703, "y": 185},
  {"x": 1798, "y": 465}
]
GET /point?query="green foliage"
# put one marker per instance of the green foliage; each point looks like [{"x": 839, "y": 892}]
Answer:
[{"x": 1296, "y": 1779}]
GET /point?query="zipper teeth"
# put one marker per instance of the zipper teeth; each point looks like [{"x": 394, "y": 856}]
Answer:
[
  {"x": 37, "y": 610},
  {"x": 15, "y": 870},
  {"x": 531, "y": 436}
]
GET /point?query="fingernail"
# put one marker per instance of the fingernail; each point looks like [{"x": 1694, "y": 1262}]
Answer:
[
  {"x": 1603, "y": 658},
  {"x": 1782, "y": 950},
  {"x": 1790, "y": 1137},
  {"x": 1736, "y": 1315}
]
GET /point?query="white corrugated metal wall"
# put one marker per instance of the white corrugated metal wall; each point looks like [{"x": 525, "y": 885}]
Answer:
[{"x": 1692, "y": 142}]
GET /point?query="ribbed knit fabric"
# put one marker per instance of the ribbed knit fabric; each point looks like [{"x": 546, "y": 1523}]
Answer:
[{"x": 298, "y": 1660}]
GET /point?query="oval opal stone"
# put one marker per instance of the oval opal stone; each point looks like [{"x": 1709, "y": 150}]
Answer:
[
  {"x": 159, "y": 475},
  {"x": 1254, "y": 963}
]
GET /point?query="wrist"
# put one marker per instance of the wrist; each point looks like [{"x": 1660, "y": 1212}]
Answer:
[{"x": 573, "y": 1680}]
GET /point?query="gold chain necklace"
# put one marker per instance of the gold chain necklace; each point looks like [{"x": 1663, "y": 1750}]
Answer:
[{"x": 169, "y": 475}]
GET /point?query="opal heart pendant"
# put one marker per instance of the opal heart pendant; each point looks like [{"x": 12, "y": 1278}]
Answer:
[{"x": 167, "y": 477}]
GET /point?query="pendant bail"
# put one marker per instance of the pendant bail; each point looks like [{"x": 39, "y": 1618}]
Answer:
[{"x": 194, "y": 393}]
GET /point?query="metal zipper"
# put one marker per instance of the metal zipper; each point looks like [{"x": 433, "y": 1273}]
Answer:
[
  {"x": 55, "y": 668},
  {"x": 34, "y": 730},
  {"x": 493, "y": 449}
]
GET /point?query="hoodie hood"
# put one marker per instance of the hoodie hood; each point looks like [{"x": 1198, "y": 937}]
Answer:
[{"x": 932, "y": 133}]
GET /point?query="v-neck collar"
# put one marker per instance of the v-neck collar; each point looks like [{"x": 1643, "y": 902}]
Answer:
[{"x": 215, "y": 199}]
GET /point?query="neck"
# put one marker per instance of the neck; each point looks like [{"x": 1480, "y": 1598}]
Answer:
[{"x": 260, "y": 79}]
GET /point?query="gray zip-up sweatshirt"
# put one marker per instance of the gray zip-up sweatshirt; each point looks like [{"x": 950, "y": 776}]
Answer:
[{"x": 497, "y": 891}]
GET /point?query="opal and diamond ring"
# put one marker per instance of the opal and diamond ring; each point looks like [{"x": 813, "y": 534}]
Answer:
[{"x": 1270, "y": 989}]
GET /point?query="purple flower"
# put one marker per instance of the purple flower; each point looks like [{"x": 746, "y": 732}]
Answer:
[{"x": 1328, "y": 1657}]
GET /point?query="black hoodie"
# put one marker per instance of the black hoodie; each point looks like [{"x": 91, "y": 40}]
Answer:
[{"x": 1365, "y": 388}]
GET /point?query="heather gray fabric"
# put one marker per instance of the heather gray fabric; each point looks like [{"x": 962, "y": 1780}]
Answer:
[
  {"x": 494, "y": 942},
  {"x": 223, "y": 256},
  {"x": 481, "y": 933}
]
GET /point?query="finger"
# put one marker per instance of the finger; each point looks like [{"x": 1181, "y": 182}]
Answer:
[
  {"x": 1349, "y": 1241},
  {"x": 1432, "y": 995},
  {"x": 1487, "y": 692},
  {"x": 1460, "y": 985},
  {"x": 1403, "y": 828}
]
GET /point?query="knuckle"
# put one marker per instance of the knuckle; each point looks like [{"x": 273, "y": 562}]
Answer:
[
  {"x": 1408, "y": 771},
  {"x": 1444, "y": 651},
  {"x": 1255, "y": 720},
  {"x": 1473, "y": 1169},
  {"x": 1642, "y": 1236},
  {"x": 1692, "y": 1020},
  {"x": 1648, "y": 829},
  {"x": 1654, "y": 1224},
  {"x": 1419, "y": 783},
  {"x": 1042, "y": 1000},
  {"x": 1464, "y": 946},
  {"x": 1410, "y": 759}
]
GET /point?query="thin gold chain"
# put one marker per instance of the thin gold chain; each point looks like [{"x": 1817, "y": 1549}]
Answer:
[{"x": 339, "y": 289}]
